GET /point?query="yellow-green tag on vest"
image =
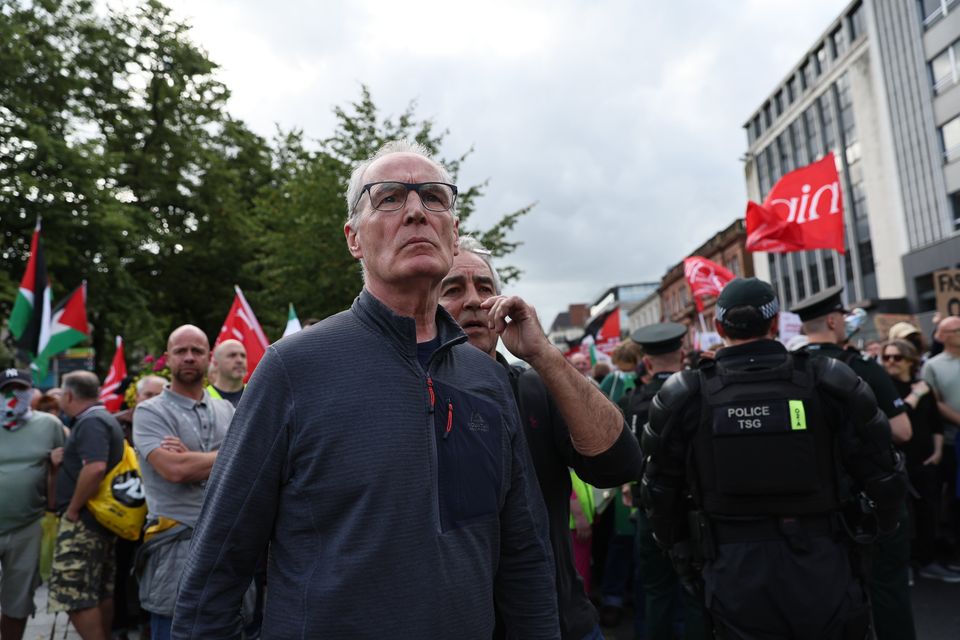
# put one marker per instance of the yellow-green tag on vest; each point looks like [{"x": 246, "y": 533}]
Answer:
[{"x": 798, "y": 418}]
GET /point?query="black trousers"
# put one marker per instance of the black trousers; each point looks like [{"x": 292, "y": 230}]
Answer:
[{"x": 765, "y": 590}]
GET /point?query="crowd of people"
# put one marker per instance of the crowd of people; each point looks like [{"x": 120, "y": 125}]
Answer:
[{"x": 433, "y": 489}]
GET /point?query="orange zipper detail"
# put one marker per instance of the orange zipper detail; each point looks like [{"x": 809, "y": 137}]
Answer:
[
  {"x": 433, "y": 397},
  {"x": 449, "y": 420}
]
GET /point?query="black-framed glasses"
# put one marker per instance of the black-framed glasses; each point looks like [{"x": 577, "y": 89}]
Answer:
[{"x": 391, "y": 196}]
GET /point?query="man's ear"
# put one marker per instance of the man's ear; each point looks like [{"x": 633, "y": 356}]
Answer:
[
  {"x": 719, "y": 327},
  {"x": 353, "y": 241},
  {"x": 775, "y": 327}
]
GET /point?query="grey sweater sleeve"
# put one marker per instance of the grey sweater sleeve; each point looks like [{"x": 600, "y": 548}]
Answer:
[
  {"x": 239, "y": 509},
  {"x": 525, "y": 586}
]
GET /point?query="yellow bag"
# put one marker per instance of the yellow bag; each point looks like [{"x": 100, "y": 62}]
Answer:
[
  {"x": 47, "y": 543},
  {"x": 119, "y": 504}
]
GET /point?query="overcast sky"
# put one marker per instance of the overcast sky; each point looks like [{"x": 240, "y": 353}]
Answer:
[{"x": 622, "y": 120}]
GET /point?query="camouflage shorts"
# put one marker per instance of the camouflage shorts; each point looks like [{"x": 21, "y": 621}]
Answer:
[{"x": 83, "y": 567}]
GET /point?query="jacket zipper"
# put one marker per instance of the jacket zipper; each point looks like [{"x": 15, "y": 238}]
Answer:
[{"x": 446, "y": 431}]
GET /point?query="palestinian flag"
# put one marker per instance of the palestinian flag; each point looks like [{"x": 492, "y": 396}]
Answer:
[
  {"x": 68, "y": 326},
  {"x": 31, "y": 311},
  {"x": 293, "y": 323}
]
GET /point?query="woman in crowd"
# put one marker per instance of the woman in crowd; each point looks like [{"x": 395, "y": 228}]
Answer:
[{"x": 923, "y": 452}]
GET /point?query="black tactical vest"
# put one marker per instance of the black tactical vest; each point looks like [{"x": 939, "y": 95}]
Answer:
[
  {"x": 636, "y": 404},
  {"x": 765, "y": 445}
]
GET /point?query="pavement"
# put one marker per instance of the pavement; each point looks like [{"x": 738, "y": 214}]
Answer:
[
  {"x": 935, "y": 611},
  {"x": 47, "y": 626}
]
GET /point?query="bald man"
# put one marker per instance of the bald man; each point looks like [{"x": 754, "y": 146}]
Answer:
[
  {"x": 230, "y": 362},
  {"x": 177, "y": 435}
]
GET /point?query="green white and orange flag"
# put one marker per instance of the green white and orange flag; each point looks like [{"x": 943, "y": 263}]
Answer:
[
  {"x": 293, "y": 322},
  {"x": 68, "y": 326},
  {"x": 31, "y": 310}
]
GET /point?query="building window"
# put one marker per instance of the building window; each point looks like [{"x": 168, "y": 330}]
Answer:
[
  {"x": 793, "y": 88},
  {"x": 926, "y": 294},
  {"x": 950, "y": 135},
  {"x": 955, "y": 208},
  {"x": 767, "y": 120},
  {"x": 829, "y": 269},
  {"x": 778, "y": 103},
  {"x": 812, "y": 133},
  {"x": 933, "y": 10},
  {"x": 797, "y": 260},
  {"x": 757, "y": 127},
  {"x": 814, "y": 272},
  {"x": 798, "y": 142},
  {"x": 783, "y": 154},
  {"x": 809, "y": 73},
  {"x": 820, "y": 59},
  {"x": 838, "y": 41},
  {"x": 733, "y": 265},
  {"x": 943, "y": 68},
  {"x": 829, "y": 137},
  {"x": 857, "y": 28}
]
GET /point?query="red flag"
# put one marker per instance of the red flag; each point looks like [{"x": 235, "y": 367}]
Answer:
[
  {"x": 803, "y": 211},
  {"x": 110, "y": 391},
  {"x": 241, "y": 324},
  {"x": 705, "y": 277},
  {"x": 608, "y": 336}
]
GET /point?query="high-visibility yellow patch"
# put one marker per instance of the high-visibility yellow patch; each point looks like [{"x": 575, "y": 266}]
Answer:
[{"x": 798, "y": 418}]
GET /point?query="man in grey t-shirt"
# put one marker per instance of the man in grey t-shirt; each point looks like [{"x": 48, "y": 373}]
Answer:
[{"x": 177, "y": 435}]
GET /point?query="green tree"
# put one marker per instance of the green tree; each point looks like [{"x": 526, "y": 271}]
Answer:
[{"x": 115, "y": 131}]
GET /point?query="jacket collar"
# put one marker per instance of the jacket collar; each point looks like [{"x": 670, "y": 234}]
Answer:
[
  {"x": 401, "y": 331},
  {"x": 755, "y": 348}
]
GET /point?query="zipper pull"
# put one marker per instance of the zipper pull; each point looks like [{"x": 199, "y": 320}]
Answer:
[
  {"x": 449, "y": 420},
  {"x": 433, "y": 396}
]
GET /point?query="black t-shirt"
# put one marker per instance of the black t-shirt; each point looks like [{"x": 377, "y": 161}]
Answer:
[
  {"x": 925, "y": 420},
  {"x": 553, "y": 456},
  {"x": 96, "y": 436},
  {"x": 233, "y": 397},
  {"x": 426, "y": 349}
]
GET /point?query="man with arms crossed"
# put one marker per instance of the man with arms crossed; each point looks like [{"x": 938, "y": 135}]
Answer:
[{"x": 177, "y": 436}]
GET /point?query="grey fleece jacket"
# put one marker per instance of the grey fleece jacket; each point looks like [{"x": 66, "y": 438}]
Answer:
[{"x": 397, "y": 502}]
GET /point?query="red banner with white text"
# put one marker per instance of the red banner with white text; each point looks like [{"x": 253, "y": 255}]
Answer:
[
  {"x": 705, "y": 277},
  {"x": 803, "y": 211}
]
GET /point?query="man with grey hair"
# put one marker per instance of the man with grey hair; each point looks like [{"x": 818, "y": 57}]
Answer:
[
  {"x": 568, "y": 422},
  {"x": 149, "y": 387},
  {"x": 396, "y": 495},
  {"x": 81, "y": 579}
]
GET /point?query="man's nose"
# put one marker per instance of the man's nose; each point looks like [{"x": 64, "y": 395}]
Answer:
[
  {"x": 413, "y": 209},
  {"x": 472, "y": 299}
]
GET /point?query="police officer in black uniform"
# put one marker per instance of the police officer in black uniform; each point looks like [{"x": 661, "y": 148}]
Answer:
[
  {"x": 888, "y": 573},
  {"x": 750, "y": 460},
  {"x": 663, "y": 356}
]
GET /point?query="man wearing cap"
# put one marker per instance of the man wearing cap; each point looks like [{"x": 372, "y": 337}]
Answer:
[
  {"x": 568, "y": 422},
  {"x": 741, "y": 482},
  {"x": 663, "y": 356},
  {"x": 823, "y": 323},
  {"x": 30, "y": 444}
]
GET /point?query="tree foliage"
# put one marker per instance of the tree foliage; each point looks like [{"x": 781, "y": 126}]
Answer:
[{"x": 115, "y": 130}]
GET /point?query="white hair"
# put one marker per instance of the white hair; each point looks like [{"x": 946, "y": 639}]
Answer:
[
  {"x": 355, "y": 186},
  {"x": 142, "y": 382},
  {"x": 472, "y": 245}
]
